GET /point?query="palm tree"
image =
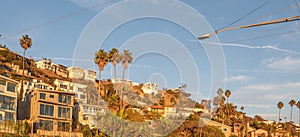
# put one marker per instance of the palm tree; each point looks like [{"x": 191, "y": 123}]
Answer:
[
  {"x": 280, "y": 106},
  {"x": 114, "y": 57},
  {"x": 227, "y": 94},
  {"x": 101, "y": 59},
  {"x": 126, "y": 59},
  {"x": 243, "y": 108},
  {"x": 292, "y": 103},
  {"x": 25, "y": 43}
]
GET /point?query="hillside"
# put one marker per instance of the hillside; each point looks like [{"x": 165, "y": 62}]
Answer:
[{"x": 11, "y": 63}]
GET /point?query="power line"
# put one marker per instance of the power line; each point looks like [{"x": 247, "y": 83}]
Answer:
[
  {"x": 58, "y": 19},
  {"x": 239, "y": 19}
]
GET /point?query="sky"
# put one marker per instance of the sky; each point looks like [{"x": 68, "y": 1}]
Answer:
[{"x": 259, "y": 65}]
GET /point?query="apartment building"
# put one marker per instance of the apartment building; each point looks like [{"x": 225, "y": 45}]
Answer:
[
  {"x": 51, "y": 110},
  {"x": 78, "y": 89},
  {"x": 59, "y": 69},
  {"x": 35, "y": 84},
  {"x": 75, "y": 72},
  {"x": 8, "y": 99},
  {"x": 45, "y": 65},
  {"x": 90, "y": 75}
]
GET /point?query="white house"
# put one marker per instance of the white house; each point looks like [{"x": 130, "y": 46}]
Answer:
[
  {"x": 75, "y": 72},
  {"x": 35, "y": 84},
  {"x": 150, "y": 88},
  {"x": 45, "y": 65},
  {"x": 90, "y": 75},
  {"x": 78, "y": 89}
]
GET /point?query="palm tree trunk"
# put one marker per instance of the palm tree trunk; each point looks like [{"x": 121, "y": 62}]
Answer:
[
  {"x": 99, "y": 86},
  {"x": 115, "y": 75},
  {"x": 291, "y": 118},
  {"x": 23, "y": 67},
  {"x": 279, "y": 116},
  {"x": 123, "y": 74}
]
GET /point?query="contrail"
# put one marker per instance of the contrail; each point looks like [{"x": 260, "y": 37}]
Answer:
[
  {"x": 69, "y": 59},
  {"x": 251, "y": 47}
]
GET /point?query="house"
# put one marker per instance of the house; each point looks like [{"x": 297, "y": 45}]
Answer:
[
  {"x": 118, "y": 80},
  {"x": 76, "y": 73},
  {"x": 159, "y": 109},
  {"x": 150, "y": 88},
  {"x": 45, "y": 64},
  {"x": 50, "y": 111},
  {"x": 62, "y": 85},
  {"x": 87, "y": 114},
  {"x": 80, "y": 92},
  {"x": 61, "y": 70},
  {"x": 225, "y": 128},
  {"x": 78, "y": 89},
  {"x": 90, "y": 75},
  {"x": 8, "y": 99},
  {"x": 34, "y": 84},
  {"x": 169, "y": 112}
]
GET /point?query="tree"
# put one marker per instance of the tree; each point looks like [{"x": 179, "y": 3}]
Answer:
[
  {"x": 86, "y": 132},
  {"x": 114, "y": 58},
  {"x": 227, "y": 94},
  {"x": 126, "y": 59},
  {"x": 292, "y": 103},
  {"x": 280, "y": 106},
  {"x": 101, "y": 59},
  {"x": 243, "y": 108},
  {"x": 25, "y": 43}
]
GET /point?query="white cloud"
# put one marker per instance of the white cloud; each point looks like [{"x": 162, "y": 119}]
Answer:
[
  {"x": 285, "y": 64},
  {"x": 270, "y": 92},
  {"x": 239, "y": 78}
]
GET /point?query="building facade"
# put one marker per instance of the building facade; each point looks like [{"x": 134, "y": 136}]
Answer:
[
  {"x": 51, "y": 110},
  {"x": 8, "y": 99},
  {"x": 75, "y": 72},
  {"x": 90, "y": 75},
  {"x": 150, "y": 88}
]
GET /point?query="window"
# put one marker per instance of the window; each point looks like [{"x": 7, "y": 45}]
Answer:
[
  {"x": 82, "y": 96},
  {"x": 64, "y": 99},
  {"x": 63, "y": 112},
  {"x": 46, "y": 110},
  {"x": 42, "y": 96},
  {"x": 7, "y": 102},
  {"x": 9, "y": 116},
  {"x": 2, "y": 82},
  {"x": 51, "y": 96},
  {"x": 63, "y": 126},
  {"x": 46, "y": 125},
  {"x": 11, "y": 87}
]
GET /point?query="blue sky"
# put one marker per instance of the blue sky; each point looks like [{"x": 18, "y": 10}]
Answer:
[{"x": 262, "y": 63}]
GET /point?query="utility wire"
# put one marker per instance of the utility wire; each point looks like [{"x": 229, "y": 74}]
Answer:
[
  {"x": 58, "y": 19},
  {"x": 270, "y": 14},
  {"x": 257, "y": 8}
]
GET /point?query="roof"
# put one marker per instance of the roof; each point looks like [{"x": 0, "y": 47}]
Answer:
[
  {"x": 9, "y": 79},
  {"x": 53, "y": 91}
]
